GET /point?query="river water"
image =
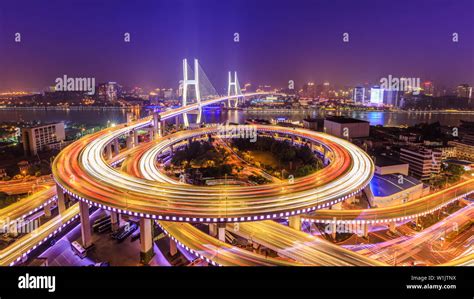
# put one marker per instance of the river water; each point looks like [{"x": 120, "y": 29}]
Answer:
[{"x": 101, "y": 117}]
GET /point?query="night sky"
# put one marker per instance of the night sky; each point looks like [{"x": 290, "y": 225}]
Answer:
[{"x": 279, "y": 40}]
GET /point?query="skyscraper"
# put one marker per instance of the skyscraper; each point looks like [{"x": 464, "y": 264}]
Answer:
[
  {"x": 390, "y": 97},
  {"x": 376, "y": 95},
  {"x": 428, "y": 88},
  {"x": 464, "y": 91},
  {"x": 359, "y": 95},
  {"x": 109, "y": 91}
]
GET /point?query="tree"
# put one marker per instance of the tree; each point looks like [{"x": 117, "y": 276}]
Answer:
[{"x": 455, "y": 170}]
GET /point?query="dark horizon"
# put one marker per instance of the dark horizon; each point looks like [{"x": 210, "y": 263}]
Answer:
[{"x": 279, "y": 41}]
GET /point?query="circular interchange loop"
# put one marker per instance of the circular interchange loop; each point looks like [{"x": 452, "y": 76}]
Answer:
[{"x": 82, "y": 172}]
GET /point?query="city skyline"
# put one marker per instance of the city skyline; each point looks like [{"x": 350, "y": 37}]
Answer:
[
  {"x": 156, "y": 134},
  {"x": 306, "y": 46}
]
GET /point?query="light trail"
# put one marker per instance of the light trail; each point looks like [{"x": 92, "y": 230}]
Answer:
[
  {"x": 25, "y": 244},
  {"x": 217, "y": 252},
  {"x": 82, "y": 172},
  {"x": 415, "y": 208},
  {"x": 97, "y": 183},
  {"x": 27, "y": 206},
  {"x": 301, "y": 246},
  {"x": 290, "y": 243},
  {"x": 420, "y": 245}
]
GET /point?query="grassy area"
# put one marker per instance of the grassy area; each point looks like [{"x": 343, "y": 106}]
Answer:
[
  {"x": 265, "y": 158},
  {"x": 278, "y": 158}
]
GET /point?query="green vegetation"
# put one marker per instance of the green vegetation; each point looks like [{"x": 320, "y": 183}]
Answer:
[
  {"x": 298, "y": 161},
  {"x": 202, "y": 158},
  {"x": 454, "y": 170},
  {"x": 450, "y": 174},
  {"x": 430, "y": 219}
]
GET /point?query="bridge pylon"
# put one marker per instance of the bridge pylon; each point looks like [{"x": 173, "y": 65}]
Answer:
[
  {"x": 233, "y": 88},
  {"x": 191, "y": 82}
]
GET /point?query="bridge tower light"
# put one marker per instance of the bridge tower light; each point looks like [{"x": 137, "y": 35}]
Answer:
[
  {"x": 194, "y": 82},
  {"x": 234, "y": 87}
]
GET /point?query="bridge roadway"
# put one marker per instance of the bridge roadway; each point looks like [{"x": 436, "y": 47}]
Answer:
[
  {"x": 29, "y": 185},
  {"x": 24, "y": 245},
  {"x": 303, "y": 248},
  {"x": 197, "y": 242},
  {"x": 72, "y": 178},
  {"x": 285, "y": 240},
  {"x": 81, "y": 170},
  {"x": 34, "y": 202},
  {"x": 215, "y": 251},
  {"x": 14, "y": 213},
  {"x": 425, "y": 245},
  {"x": 27, "y": 206},
  {"x": 415, "y": 208}
]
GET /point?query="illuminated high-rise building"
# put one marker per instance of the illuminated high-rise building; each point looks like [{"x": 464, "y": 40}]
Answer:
[
  {"x": 376, "y": 95},
  {"x": 109, "y": 91},
  {"x": 428, "y": 88},
  {"x": 464, "y": 91},
  {"x": 391, "y": 97},
  {"x": 359, "y": 95},
  {"x": 37, "y": 138}
]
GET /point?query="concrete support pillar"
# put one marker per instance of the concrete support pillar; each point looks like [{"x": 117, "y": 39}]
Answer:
[
  {"x": 392, "y": 227},
  {"x": 213, "y": 229},
  {"x": 199, "y": 116},
  {"x": 295, "y": 222},
  {"x": 369, "y": 194},
  {"x": 47, "y": 210},
  {"x": 146, "y": 241},
  {"x": 135, "y": 138},
  {"x": 151, "y": 134},
  {"x": 173, "y": 247},
  {"x": 366, "y": 230},
  {"x": 129, "y": 117},
  {"x": 60, "y": 201},
  {"x": 157, "y": 124},
  {"x": 116, "y": 146},
  {"x": 171, "y": 149},
  {"x": 86, "y": 233},
  {"x": 159, "y": 130},
  {"x": 108, "y": 151},
  {"x": 221, "y": 232},
  {"x": 162, "y": 128},
  {"x": 115, "y": 221},
  {"x": 129, "y": 141}
]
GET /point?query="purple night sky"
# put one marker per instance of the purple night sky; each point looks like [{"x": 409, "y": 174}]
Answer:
[{"x": 279, "y": 41}]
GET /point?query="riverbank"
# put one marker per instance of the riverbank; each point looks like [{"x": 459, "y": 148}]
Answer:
[{"x": 59, "y": 108}]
